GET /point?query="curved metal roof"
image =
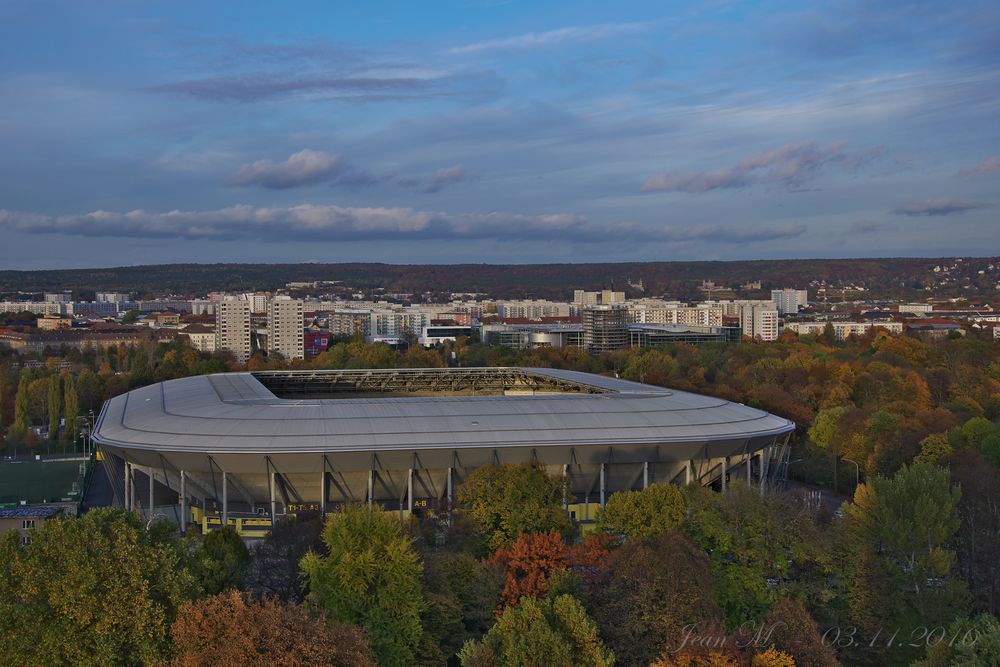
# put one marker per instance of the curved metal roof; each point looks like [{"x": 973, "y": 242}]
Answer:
[{"x": 236, "y": 413}]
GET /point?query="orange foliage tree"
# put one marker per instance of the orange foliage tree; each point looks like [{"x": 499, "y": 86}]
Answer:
[
  {"x": 233, "y": 630},
  {"x": 531, "y": 560}
]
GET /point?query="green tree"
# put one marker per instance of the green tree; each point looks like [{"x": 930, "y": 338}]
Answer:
[
  {"x": 753, "y": 540},
  {"x": 990, "y": 447},
  {"x": 642, "y": 514},
  {"x": 222, "y": 561},
  {"x": 976, "y": 643},
  {"x": 825, "y": 430},
  {"x": 902, "y": 529},
  {"x": 98, "y": 590},
  {"x": 370, "y": 577},
  {"x": 3, "y": 399},
  {"x": 55, "y": 406},
  {"x": 130, "y": 316},
  {"x": 555, "y": 632},
  {"x": 976, "y": 429},
  {"x": 21, "y": 403},
  {"x": 71, "y": 409},
  {"x": 507, "y": 500},
  {"x": 461, "y": 594}
]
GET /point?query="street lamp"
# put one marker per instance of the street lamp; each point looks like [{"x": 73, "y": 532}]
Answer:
[{"x": 857, "y": 471}]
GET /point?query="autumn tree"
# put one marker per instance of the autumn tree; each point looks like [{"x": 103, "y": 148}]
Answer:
[
  {"x": 507, "y": 500},
  {"x": 98, "y": 590},
  {"x": 555, "y": 632},
  {"x": 71, "y": 408},
  {"x": 21, "y": 402},
  {"x": 370, "y": 577},
  {"x": 933, "y": 448},
  {"x": 528, "y": 562},
  {"x": 55, "y": 406},
  {"x": 794, "y": 632},
  {"x": 656, "y": 509},
  {"x": 234, "y": 630},
  {"x": 651, "y": 590}
]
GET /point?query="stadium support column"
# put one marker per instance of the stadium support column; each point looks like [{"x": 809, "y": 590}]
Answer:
[
  {"x": 748, "y": 459},
  {"x": 323, "y": 491},
  {"x": 225, "y": 501},
  {"x": 763, "y": 468},
  {"x": 131, "y": 488},
  {"x": 645, "y": 474},
  {"x": 687, "y": 472},
  {"x": 409, "y": 491},
  {"x": 152, "y": 484},
  {"x": 125, "y": 496},
  {"x": 371, "y": 488},
  {"x": 184, "y": 518},
  {"x": 270, "y": 495},
  {"x": 725, "y": 461},
  {"x": 603, "y": 465},
  {"x": 565, "y": 481},
  {"x": 449, "y": 484}
]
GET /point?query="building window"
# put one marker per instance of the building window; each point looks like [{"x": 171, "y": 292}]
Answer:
[
  {"x": 25, "y": 540},
  {"x": 27, "y": 524}
]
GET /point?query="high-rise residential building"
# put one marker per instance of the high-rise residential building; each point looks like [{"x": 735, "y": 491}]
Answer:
[
  {"x": 605, "y": 297},
  {"x": 532, "y": 310},
  {"x": 657, "y": 311},
  {"x": 58, "y": 297},
  {"x": 605, "y": 328},
  {"x": 759, "y": 321},
  {"x": 232, "y": 327},
  {"x": 285, "y": 327},
  {"x": 112, "y": 297},
  {"x": 789, "y": 300},
  {"x": 258, "y": 302},
  {"x": 202, "y": 307}
]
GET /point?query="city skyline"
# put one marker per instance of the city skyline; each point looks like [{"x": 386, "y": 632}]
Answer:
[{"x": 496, "y": 132}]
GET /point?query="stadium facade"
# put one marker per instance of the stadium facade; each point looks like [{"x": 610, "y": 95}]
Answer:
[{"x": 261, "y": 445}]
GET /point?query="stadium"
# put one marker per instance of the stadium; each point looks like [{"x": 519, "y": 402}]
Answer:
[{"x": 244, "y": 449}]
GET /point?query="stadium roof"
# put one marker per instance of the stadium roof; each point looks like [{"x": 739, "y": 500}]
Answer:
[{"x": 400, "y": 409}]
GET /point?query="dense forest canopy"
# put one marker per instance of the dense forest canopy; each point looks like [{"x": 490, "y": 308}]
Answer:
[{"x": 886, "y": 277}]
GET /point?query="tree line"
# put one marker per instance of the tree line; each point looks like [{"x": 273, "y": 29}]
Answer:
[{"x": 669, "y": 576}]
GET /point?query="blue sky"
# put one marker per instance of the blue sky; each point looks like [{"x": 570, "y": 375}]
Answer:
[{"x": 491, "y": 131}]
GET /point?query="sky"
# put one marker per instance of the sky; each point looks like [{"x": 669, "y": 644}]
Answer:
[{"x": 496, "y": 131}]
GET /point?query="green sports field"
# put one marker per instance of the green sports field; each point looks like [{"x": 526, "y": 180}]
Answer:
[{"x": 40, "y": 481}]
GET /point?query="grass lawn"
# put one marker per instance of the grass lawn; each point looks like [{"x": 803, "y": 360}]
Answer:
[{"x": 39, "y": 481}]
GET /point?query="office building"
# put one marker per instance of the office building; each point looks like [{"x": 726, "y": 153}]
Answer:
[{"x": 605, "y": 328}]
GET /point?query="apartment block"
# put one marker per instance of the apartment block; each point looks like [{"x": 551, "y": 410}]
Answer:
[
  {"x": 789, "y": 300},
  {"x": 285, "y": 327},
  {"x": 232, "y": 327}
]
